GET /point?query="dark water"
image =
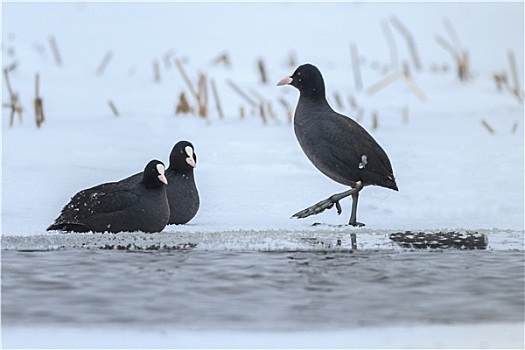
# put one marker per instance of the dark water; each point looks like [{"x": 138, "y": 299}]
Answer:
[{"x": 198, "y": 289}]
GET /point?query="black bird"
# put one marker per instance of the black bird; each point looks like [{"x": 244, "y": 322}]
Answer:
[
  {"x": 119, "y": 206},
  {"x": 183, "y": 196},
  {"x": 338, "y": 146}
]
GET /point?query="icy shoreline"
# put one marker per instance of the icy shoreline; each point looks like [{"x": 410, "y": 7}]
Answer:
[{"x": 315, "y": 239}]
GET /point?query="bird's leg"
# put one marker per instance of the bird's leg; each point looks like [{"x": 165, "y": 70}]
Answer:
[
  {"x": 353, "y": 216},
  {"x": 329, "y": 203}
]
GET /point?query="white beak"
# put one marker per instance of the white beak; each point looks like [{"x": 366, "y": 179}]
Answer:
[
  {"x": 285, "y": 81},
  {"x": 163, "y": 179},
  {"x": 190, "y": 160}
]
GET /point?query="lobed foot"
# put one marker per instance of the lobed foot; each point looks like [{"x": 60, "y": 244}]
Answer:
[
  {"x": 356, "y": 224},
  {"x": 318, "y": 208}
]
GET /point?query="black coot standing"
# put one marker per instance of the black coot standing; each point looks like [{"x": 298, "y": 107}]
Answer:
[
  {"x": 183, "y": 196},
  {"x": 338, "y": 146},
  {"x": 119, "y": 206}
]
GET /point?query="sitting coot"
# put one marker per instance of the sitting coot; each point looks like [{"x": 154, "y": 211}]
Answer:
[
  {"x": 183, "y": 196},
  {"x": 119, "y": 206}
]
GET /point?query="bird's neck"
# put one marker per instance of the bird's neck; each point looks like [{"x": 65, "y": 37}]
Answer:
[
  {"x": 313, "y": 102},
  {"x": 186, "y": 173}
]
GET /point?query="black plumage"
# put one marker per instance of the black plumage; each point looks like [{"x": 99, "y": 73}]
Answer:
[
  {"x": 119, "y": 206},
  {"x": 337, "y": 145},
  {"x": 183, "y": 196}
]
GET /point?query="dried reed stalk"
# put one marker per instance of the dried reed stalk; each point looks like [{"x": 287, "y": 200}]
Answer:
[
  {"x": 501, "y": 81},
  {"x": 459, "y": 54},
  {"x": 288, "y": 109},
  {"x": 54, "y": 49},
  {"x": 409, "y": 38},
  {"x": 292, "y": 59},
  {"x": 105, "y": 61},
  {"x": 391, "y": 44},
  {"x": 185, "y": 78},
  {"x": 356, "y": 67},
  {"x": 487, "y": 126},
  {"x": 515, "y": 127},
  {"x": 271, "y": 112},
  {"x": 156, "y": 71},
  {"x": 38, "y": 103},
  {"x": 393, "y": 77},
  {"x": 375, "y": 121},
  {"x": 352, "y": 101},
  {"x": 514, "y": 73},
  {"x": 202, "y": 96},
  {"x": 113, "y": 108},
  {"x": 262, "y": 113},
  {"x": 262, "y": 71},
  {"x": 14, "y": 101},
  {"x": 241, "y": 112},
  {"x": 405, "y": 114},
  {"x": 216, "y": 97},
  {"x": 183, "y": 106},
  {"x": 241, "y": 93},
  {"x": 223, "y": 58},
  {"x": 338, "y": 100}
]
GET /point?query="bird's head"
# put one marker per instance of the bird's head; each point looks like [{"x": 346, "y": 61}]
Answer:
[{"x": 307, "y": 79}]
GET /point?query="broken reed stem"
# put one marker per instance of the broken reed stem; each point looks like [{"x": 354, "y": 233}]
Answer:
[
  {"x": 241, "y": 93},
  {"x": 202, "y": 96},
  {"x": 452, "y": 33},
  {"x": 262, "y": 71},
  {"x": 262, "y": 113},
  {"x": 352, "y": 101},
  {"x": 391, "y": 44},
  {"x": 338, "y": 100},
  {"x": 487, "y": 126},
  {"x": 415, "y": 89},
  {"x": 183, "y": 106},
  {"x": 515, "y": 127},
  {"x": 113, "y": 108},
  {"x": 356, "y": 67},
  {"x": 222, "y": 58},
  {"x": 292, "y": 59},
  {"x": 156, "y": 71},
  {"x": 38, "y": 103},
  {"x": 403, "y": 30},
  {"x": 500, "y": 80},
  {"x": 8, "y": 82},
  {"x": 394, "y": 76},
  {"x": 286, "y": 106},
  {"x": 14, "y": 101},
  {"x": 269, "y": 108},
  {"x": 241, "y": 112},
  {"x": 185, "y": 78},
  {"x": 102, "y": 66},
  {"x": 375, "y": 121},
  {"x": 216, "y": 97},
  {"x": 514, "y": 73},
  {"x": 460, "y": 56},
  {"x": 405, "y": 114},
  {"x": 54, "y": 49},
  {"x": 382, "y": 83}
]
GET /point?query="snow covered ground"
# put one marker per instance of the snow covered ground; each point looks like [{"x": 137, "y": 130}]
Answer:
[{"x": 452, "y": 173}]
